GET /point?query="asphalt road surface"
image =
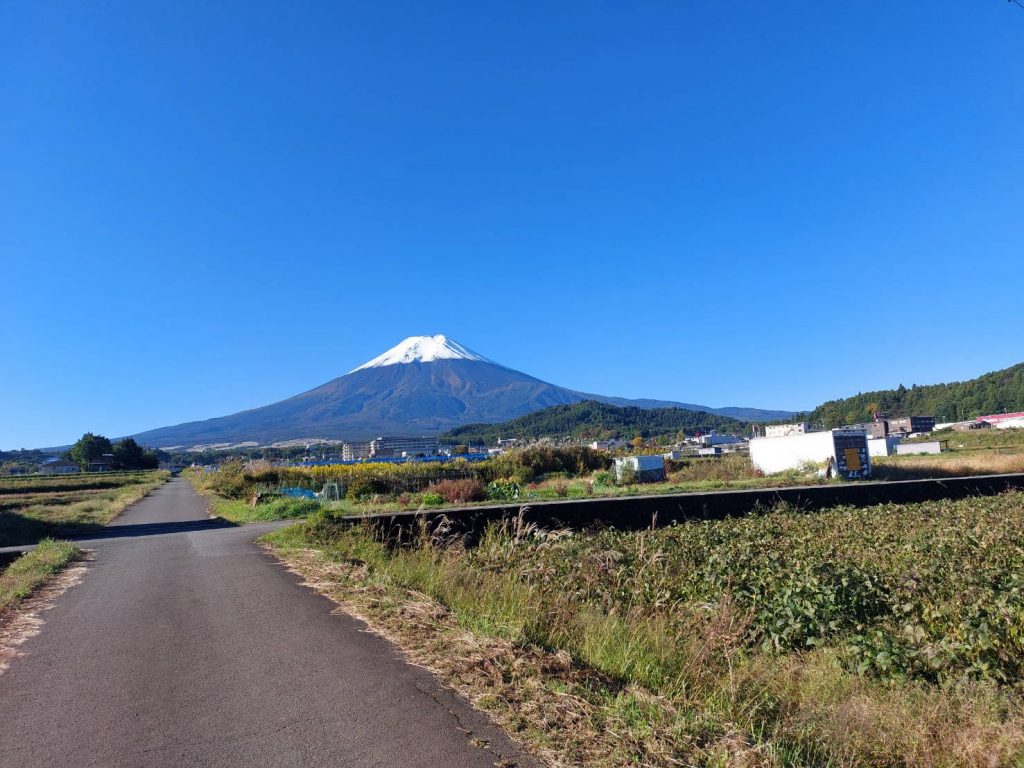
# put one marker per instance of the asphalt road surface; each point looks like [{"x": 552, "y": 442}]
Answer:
[{"x": 186, "y": 645}]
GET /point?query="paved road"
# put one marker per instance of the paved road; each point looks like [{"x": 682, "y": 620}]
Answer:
[{"x": 194, "y": 648}]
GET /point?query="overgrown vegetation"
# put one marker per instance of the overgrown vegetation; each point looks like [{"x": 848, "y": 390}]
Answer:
[
  {"x": 883, "y": 636},
  {"x": 239, "y": 511},
  {"x": 31, "y": 570},
  {"x": 243, "y": 492},
  {"x": 251, "y": 491},
  {"x": 239, "y": 480},
  {"x": 592, "y": 420},
  {"x": 36, "y": 506}
]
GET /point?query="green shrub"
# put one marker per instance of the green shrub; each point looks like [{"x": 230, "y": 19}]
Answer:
[
  {"x": 289, "y": 508},
  {"x": 431, "y": 499},
  {"x": 506, "y": 489},
  {"x": 626, "y": 476},
  {"x": 228, "y": 480}
]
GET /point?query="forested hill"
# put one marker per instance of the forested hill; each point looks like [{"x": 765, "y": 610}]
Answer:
[
  {"x": 992, "y": 393},
  {"x": 593, "y": 420}
]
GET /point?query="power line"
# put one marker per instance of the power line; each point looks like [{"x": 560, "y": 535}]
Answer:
[{"x": 1017, "y": 2}]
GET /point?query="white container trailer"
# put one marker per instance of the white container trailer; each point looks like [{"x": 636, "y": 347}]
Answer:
[{"x": 847, "y": 449}]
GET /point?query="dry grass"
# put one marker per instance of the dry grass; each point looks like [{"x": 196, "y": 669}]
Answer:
[
  {"x": 587, "y": 650},
  {"x": 951, "y": 464},
  {"x": 567, "y": 715},
  {"x": 28, "y": 517}
]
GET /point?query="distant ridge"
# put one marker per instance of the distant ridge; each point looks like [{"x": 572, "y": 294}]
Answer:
[
  {"x": 422, "y": 386},
  {"x": 593, "y": 420},
  {"x": 987, "y": 394}
]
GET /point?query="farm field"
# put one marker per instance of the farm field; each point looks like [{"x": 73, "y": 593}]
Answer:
[
  {"x": 34, "y": 507},
  {"x": 883, "y": 636},
  {"x": 250, "y": 492}
]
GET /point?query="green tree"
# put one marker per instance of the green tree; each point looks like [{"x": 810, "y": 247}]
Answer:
[
  {"x": 128, "y": 454},
  {"x": 89, "y": 448}
]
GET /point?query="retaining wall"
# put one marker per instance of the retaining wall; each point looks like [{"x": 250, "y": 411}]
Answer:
[{"x": 638, "y": 512}]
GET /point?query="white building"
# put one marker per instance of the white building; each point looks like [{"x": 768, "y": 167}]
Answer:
[
  {"x": 909, "y": 449},
  {"x": 608, "y": 445},
  {"x": 883, "y": 446},
  {"x": 846, "y": 448},
  {"x": 355, "y": 451},
  {"x": 646, "y": 469},
  {"x": 390, "y": 447},
  {"x": 784, "y": 430}
]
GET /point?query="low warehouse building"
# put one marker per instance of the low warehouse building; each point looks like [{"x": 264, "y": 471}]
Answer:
[
  {"x": 908, "y": 449},
  {"x": 1005, "y": 420},
  {"x": 715, "y": 439},
  {"x": 847, "y": 449}
]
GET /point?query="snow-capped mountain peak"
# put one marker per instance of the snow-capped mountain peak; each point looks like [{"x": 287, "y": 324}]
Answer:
[{"x": 423, "y": 349}]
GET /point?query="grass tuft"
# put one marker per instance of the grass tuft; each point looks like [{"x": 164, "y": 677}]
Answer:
[{"x": 31, "y": 570}]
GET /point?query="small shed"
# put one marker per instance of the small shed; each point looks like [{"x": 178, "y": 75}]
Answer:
[
  {"x": 883, "y": 446},
  {"x": 104, "y": 463},
  {"x": 646, "y": 469}
]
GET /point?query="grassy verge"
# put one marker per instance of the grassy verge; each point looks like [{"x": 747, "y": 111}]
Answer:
[
  {"x": 884, "y": 636},
  {"x": 242, "y": 511},
  {"x": 238, "y": 511},
  {"x": 31, "y": 570},
  {"x": 41, "y": 507}
]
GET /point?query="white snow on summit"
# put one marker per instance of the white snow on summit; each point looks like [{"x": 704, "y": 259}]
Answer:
[{"x": 423, "y": 349}]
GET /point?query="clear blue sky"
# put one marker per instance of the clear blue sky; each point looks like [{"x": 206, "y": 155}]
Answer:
[{"x": 212, "y": 206}]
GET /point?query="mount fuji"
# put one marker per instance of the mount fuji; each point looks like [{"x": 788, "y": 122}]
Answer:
[{"x": 422, "y": 386}]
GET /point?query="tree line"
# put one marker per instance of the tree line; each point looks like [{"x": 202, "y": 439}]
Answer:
[
  {"x": 123, "y": 455},
  {"x": 589, "y": 419},
  {"x": 995, "y": 392}
]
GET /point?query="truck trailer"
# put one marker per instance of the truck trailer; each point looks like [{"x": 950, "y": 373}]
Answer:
[{"x": 847, "y": 449}]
